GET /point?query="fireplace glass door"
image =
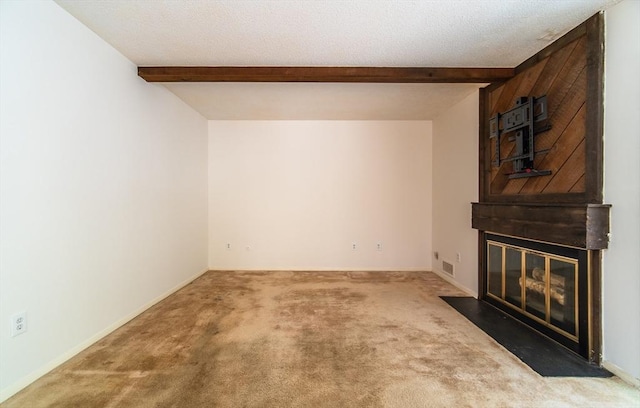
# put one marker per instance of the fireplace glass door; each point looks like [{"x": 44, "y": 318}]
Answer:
[{"x": 539, "y": 285}]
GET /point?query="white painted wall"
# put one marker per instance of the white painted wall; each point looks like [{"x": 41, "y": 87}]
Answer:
[
  {"x": 299, "y": 193},
  {"x": 455, "y": 186},
  {"x": 621, "y": 274},
  {"x": 103, "y": 192}
]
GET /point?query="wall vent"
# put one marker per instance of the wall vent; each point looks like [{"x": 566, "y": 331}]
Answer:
[{"x": 447, "y": 267}]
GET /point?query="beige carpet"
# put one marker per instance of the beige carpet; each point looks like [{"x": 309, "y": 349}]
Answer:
[{"x": 309, "y": 339}]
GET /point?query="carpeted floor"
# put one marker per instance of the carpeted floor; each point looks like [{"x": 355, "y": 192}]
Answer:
[{"x": 309, "y": 339}]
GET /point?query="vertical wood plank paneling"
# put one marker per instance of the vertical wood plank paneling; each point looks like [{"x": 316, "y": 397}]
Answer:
[
  {"x": 594, "y": 172},
  {"x": 595, "y": 323},
  {"x": 483, "y": 129},
  {"x": 595, "y": 109}
]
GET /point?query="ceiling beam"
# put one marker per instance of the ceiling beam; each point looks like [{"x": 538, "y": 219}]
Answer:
[{"x": 325, "y": 74}]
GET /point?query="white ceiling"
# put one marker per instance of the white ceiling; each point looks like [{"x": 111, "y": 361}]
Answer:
[
  {"x": 331, "y": 101},
  {"x": 428, "y": 33}
]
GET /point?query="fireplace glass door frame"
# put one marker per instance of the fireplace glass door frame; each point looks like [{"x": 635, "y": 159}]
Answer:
[{"x": 545, "y": 286}]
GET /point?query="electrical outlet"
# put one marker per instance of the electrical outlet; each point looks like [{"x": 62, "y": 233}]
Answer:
[
  {"x": 379, "y": 246},
  {"x": 458, "y": 257},
  {"x": 353, "y": 246},
  {"x": 18, "y": 323},
  {"x": 228, "y": 246}
]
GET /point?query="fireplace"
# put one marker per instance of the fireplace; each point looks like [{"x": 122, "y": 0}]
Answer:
[
  {"x": 540, "y": 263},
  {"x": 544, "y": 285},
  {"x": 541, "y": 218}
]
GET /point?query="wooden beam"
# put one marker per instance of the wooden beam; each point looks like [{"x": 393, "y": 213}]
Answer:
[{"x": 325, "y": 74}]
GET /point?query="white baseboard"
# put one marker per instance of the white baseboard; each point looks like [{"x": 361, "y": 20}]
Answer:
[
  {"x": 623, "y": 375},
  {"x": 321, "y": 269},
  {"x": 14, "y": 388},
  {"x": 455, "y": 283},
  {"x": 441, "y": 274}
]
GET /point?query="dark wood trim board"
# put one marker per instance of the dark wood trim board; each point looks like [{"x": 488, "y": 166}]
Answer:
[{"x": 325, "y": 74}]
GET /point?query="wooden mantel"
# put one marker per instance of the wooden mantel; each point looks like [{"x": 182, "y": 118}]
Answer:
[{"x": 584, "y": 226}]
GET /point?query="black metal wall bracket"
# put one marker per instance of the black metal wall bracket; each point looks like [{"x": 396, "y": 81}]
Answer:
[{"x": 522, "y": 120}]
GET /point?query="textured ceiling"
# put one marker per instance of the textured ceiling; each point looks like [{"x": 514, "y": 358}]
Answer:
[
  {"x": 320, "y": 100},
  {"x": 431, "y": 33}
]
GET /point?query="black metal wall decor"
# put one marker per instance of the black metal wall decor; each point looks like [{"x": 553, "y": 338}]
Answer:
[{"x": 522, "y": 120}]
